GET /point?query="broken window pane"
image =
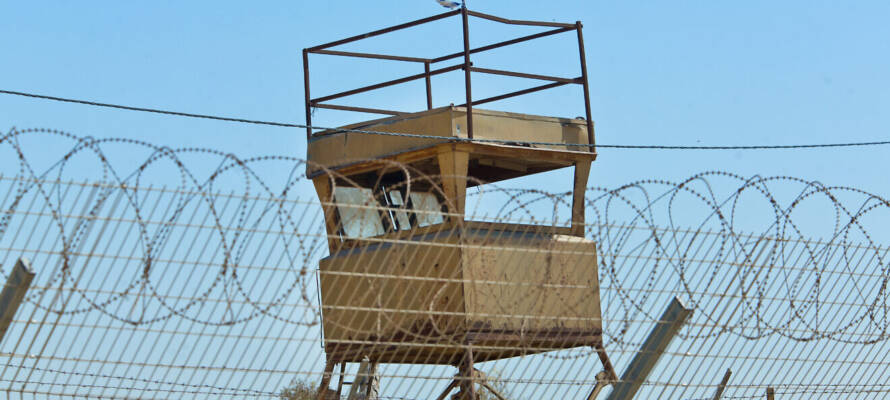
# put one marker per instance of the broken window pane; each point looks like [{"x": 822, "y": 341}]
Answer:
[
  {"x": 401, "y": 215},
  {"x": 429, "y": 211},
  {"x": 359, "y": 215}
]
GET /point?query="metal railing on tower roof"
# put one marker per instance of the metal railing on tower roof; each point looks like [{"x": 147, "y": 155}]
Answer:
[{"x": 466, "y": 65}]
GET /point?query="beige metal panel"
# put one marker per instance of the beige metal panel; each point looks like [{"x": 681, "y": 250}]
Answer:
[
  {"x": 407, "y": 291},
  {"x": 333, "y": 149},
  {"x": 440, "y": 300},
  {"x": 578, "y": 290},
  {"x": 503, "y": 280},
  {"x": 337, "y": 148},
  {"x": 499, "y": 125},
  {"x": 509, "y": 291},
  {"x": 349, "y": 303},
  {"x": 531, "y": 282}
]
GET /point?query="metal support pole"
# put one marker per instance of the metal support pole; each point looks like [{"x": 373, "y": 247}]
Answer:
[
  {"x": 722, "y": 386},
  {"x": 467, "y": 383},
  {"x": 306, "y": 92},
  {"x": 483, "y": 381},
  {"x": 14, "y": 292},
  {"x": 429, "y": 86},
  {"x": 590, "y": 136},
  {"x": 340, "y": 379},
  {"x": 365, "y": 382},
  {"x": 602, "y": 380},
  {"x": 605, "y": 377},
  {"x": 665, "y": 329},
  {"x": 770, "y": 393},
  {"x": 450, "y": 387},
  {"x": 467, "y": 72},
  {"x": 323, "y": 388}
]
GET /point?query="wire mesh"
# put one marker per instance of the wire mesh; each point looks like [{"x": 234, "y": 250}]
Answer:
[{"x": 191, "y": 273}]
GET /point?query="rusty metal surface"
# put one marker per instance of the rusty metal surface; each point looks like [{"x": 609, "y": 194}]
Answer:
[
  {"x": 586, "y": 85},
  {"x": 466, "y": 65}
]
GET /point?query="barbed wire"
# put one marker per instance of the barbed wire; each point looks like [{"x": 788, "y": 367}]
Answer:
[
  {"x": 221, "y": 390},
  {"x": 178, "y": 268}
]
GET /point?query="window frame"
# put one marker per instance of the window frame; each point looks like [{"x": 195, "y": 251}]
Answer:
[{"x": 388, "y": 219}]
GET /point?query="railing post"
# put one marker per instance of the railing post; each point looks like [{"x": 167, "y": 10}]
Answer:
[
  {"x": 429, "y": 86},
  {"x": 469, "y": 86},
  {"x": 306, "y": 91},
  {"x": 586, "y": 85}
]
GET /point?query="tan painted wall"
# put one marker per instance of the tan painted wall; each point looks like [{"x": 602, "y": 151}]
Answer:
[
  {"x": 499, "y": 125},
  {"x": 410, "y": 289},
  {"x": 530, "y": 282},
  {"x": 504, "y": 287},
  {"x": 346, "y": 147}
]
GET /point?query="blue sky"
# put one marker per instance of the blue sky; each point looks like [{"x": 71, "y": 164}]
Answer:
[
  {"x": 675, "y": 73},
  {"x": 757, "y": 72}
]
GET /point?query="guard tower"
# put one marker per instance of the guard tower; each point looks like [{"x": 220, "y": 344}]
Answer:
[{"x": 410, "y": 278}]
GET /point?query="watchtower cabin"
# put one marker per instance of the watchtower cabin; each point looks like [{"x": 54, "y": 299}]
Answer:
[{"x": 411, "y": 278}]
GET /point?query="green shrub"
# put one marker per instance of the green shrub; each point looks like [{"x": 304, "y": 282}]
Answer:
[{"x": 298, "y": 390}]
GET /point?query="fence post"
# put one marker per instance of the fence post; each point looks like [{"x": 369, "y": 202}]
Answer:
[
  {"x": 722, "y": 386},
  {"x": 13, "y": 292},
  {"x": 665, "y": 329}
]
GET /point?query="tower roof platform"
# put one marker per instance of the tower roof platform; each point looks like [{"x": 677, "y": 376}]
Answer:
[{"x": 505, "y": 145}]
